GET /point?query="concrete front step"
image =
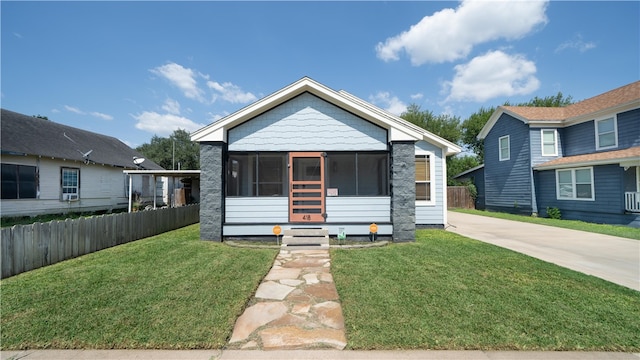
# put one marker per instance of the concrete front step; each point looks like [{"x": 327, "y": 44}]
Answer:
[
  {"x": 299, "y": 240},
  {"x": 306, "y": 232},
  {"x": 305, "y": 239},
  {"x": 305, "y": 247}
]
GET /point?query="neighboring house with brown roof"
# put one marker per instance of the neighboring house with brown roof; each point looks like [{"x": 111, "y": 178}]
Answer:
[
  {"x": 583, "y": 159},
  {"x": 53, "y": 168}
]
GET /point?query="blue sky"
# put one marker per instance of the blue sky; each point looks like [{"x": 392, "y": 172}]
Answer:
[{"x": 135, "y": 69}]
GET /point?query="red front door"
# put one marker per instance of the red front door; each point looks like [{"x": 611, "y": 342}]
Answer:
[{"x": 306, "y": 188}]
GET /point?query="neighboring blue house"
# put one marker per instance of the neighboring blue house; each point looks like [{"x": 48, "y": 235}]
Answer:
[
  {"x": 583, "y": 159},
  {"x": 309, "y": 156}
]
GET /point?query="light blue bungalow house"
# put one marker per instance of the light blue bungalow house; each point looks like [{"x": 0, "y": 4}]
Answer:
[
  {"x": 583, "y": 159},
  {"x": 308, "y": 156}
]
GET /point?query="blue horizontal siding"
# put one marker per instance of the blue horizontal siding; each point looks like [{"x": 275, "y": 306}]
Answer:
[
  {"x": 608, "y": 206},
  {"x": 358, "y": 209},
  {"x": 252, "y": 210},
  {"x": 433, "y": 214},
  {"x": 508, "y": 183},
  {"x": 629, "y": 129}
]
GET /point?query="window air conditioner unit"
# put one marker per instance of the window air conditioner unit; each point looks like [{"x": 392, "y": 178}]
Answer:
[{"x": 70, "y": 197}]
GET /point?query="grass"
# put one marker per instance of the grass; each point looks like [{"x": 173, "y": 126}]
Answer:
[
  {"x": 614, "y": 230},
  {"x": 446, "y": 291},
  {"x": 170, "y": 291}
]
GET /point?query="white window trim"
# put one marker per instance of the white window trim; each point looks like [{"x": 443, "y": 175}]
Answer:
[
  {"x": 615, "y": 132},
  {"x": 573, "y": 185},
  {"x": 508, "y": 148},
  {"x": 555, "y": 142},
  {"x": 432, "y": 171},
  {"x": 637, "y": 178},
  {"x": 69, "y": 196}
]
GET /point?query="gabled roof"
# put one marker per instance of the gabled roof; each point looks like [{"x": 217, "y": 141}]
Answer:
[
  {"x": 27, "y": 135},
  {"x": 625, "y": 157},
  {"x": 399, "y": 129},
  {"x": 618, "y": 100}
]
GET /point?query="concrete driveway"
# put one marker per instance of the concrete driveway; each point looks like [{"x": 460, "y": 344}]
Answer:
[{"x": 611, "y": 258}]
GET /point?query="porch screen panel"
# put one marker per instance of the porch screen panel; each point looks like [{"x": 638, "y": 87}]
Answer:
[
  {"x": 263, "y": 174},
  {"x": 372, "y": 174},
  {"x": 342, "y": 173}
]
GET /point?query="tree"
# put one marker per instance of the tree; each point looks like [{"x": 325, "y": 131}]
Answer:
[
  {"x": 176, "y": 151},
  {"x": 472, "y": 126},
  {"x": 457, "y": 164},
  {"x": 445, "y": 126}
]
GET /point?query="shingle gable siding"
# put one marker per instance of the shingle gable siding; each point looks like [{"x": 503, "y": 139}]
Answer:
[
  {"x": 307, "y": 123},
  {"x": 508, "y": 183}
]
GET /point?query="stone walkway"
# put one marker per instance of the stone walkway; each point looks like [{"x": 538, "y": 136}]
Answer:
[{"x": 295, "y": 307}]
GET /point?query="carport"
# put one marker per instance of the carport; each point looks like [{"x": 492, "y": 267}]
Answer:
[{"x": 173, "y": 175}]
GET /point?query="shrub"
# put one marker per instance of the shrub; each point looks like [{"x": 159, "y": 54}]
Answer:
[{"x": 554, "y": 213}]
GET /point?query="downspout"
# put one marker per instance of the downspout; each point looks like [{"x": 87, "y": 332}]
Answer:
[
  {"x": 534, "y": 202},
  {"x": 130, "y": 190}
]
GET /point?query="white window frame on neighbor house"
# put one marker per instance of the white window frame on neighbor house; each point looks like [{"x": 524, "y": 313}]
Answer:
[
  {"x": 613, "y": 119},
  {"x": 508, "y": 148},
  {"x": 69, "y": 191},
  {"x": 574, "y": 184},
  {"x": 554, "y": 143},
  {"x": 431, "y": 178},
  {"x": 637, "y": 178}
]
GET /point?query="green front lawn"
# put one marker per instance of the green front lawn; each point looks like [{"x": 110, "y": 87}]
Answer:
[
  {"x": 446, "y": 291},
  {"x": 170, "y": 291},
  {"x": 606, "y": 229}
]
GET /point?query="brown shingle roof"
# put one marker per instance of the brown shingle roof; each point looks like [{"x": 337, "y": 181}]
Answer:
[
  {"x": 614, "y": 156},
  {"x": 616, "y": 97}
]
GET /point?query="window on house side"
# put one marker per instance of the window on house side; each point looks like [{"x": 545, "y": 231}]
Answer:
[
  {"x": 423, "y": 177},
  {"x": 575, "y": 184},
  {"x": 549, "y": 142},
  {"x": 19, "y": 182},
  {"x": 504, "y": 148},
  {"x": 70, "y": 184},
  {"x": 606, "y": 133}
]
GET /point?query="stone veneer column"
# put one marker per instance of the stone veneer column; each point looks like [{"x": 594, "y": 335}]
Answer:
[
  {"x": 403, "y": 191},
  {"x": 211, "y": 190}
]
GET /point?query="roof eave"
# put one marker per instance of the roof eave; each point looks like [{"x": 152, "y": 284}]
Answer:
[
  {"x": 621, "y": 161},
  {"x": 217, "y": 131}
]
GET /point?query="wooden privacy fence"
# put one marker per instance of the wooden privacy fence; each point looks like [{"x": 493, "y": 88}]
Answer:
[
  {"x": 459, "y": 197},
  {"x": 28, "y": 247}
]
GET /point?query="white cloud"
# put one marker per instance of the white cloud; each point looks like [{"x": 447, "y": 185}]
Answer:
[
  {"x": 231, "y": 93},
  {"x": 171, "y": 106},
  {"x": 164, "y": 124},
  {"x": 102, "y": 116},
  {"x": 417, "y": 96},
  {"x": 74, "y": 110},
  {"x": 576, "y": 43},
  {"x": 492, "y": 75},
  {"x": 451, "y": 34},
  {"x": 389, "y": 103},
  {"x": 181, "y": 77}
]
